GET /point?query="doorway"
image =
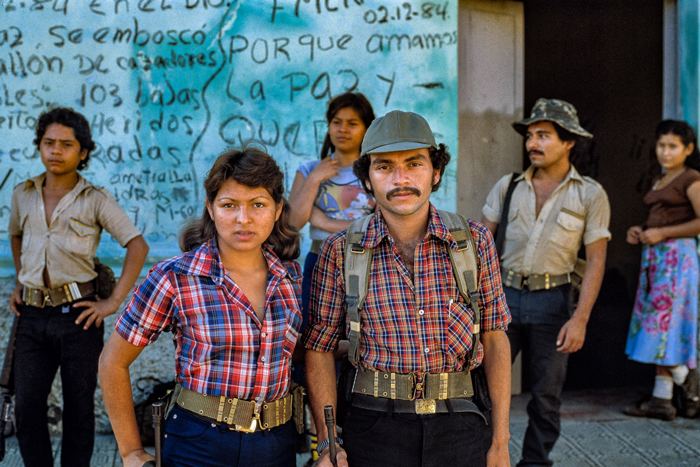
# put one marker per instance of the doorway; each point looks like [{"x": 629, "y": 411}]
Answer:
[{"x": 606, "y": 57}]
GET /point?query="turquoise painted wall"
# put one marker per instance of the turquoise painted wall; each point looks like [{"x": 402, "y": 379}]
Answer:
[
  {"x": 169, "y": 84},
  {"x": 689, "y": 53}
]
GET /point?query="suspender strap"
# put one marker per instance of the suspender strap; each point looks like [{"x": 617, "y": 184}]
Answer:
[
  {"x": 465, "y": 270},
  {"x": 358, "y": 261}
]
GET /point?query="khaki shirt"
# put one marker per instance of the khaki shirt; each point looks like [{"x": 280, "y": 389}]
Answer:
[
  {"x": 583, "y": 217},
  {"x": 67, "y": 246}
]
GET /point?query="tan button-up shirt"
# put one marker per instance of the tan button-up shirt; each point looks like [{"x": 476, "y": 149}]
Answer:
[
  {"x": 583, "y": 216},
  {"x": 67, "y": 246}
]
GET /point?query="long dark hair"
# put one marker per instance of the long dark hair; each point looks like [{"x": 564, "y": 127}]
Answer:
[
  {"x": 253, "y": 168},
  {"x": 687, "y": 136},
  {"x": 67, "y": 117},
  {"x": 356, "y": 101}
]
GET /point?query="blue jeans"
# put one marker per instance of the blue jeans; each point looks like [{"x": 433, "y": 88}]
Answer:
[
  {"x": 48, "y": 338},
  {"x": 537, "y": 319},
  {"x": 192, "y": 442}
]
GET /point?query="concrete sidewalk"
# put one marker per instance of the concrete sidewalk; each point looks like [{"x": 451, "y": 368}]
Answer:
[{"x": 594, "y": 433}]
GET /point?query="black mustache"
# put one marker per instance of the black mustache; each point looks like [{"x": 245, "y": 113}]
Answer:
[
  {"x": 408, "y": 189},
  {"x": 534, "y": 151}
]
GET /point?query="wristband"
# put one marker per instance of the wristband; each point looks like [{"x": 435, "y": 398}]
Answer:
[{"x": 325, "y": 443}]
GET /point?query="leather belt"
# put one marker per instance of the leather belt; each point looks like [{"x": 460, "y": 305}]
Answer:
[
  {"x": 315, "y": 246},
  {"x": 533, "y": 282},
  {"x": 408, "y": 387},
  {"x": 238, "y": 414},
  {"x": 59, "y": 296},
  {"x": 418, "y": 406}
]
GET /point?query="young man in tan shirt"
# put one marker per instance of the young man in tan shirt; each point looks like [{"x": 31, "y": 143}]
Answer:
[{"x": 55, "y": 226}]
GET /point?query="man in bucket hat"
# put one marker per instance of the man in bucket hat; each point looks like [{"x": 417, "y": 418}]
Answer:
[
  {"x": 411, "y": 386},
  {"x": 553, "y": 210}
]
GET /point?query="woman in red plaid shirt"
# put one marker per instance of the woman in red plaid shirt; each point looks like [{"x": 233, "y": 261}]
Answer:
[{"x": 232, "y": 301}]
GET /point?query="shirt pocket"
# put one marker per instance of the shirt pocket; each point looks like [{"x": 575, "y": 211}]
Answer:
[
  {"x": 82, "y": 237},
  {"x": 460, "y": 322},
  {"x": 569, "y": 229}
]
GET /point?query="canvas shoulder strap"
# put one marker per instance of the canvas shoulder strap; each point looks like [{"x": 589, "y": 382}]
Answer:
[
  {"x": 358, "y": 261},
  {"x": 500, "y": 239},
  {"x": 465, "y": 269}
]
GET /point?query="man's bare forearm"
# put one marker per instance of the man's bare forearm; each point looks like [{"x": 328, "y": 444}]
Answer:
[
  {"x": 592, "y": 278},
  {"x": 497, "y": 368},
  {"x": 320, "y": 381}
]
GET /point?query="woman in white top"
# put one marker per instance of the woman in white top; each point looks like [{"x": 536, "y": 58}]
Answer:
[{"x": 326, "y": 193}]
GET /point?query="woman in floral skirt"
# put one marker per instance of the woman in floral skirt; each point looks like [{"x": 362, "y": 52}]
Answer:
[{"x": 663, "y": 329}]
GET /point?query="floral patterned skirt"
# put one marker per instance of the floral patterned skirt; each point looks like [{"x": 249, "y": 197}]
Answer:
[{"x": 664, "y": 324}]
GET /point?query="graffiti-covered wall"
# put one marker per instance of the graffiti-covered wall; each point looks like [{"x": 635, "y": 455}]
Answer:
[{"x": 169, "y": 84}]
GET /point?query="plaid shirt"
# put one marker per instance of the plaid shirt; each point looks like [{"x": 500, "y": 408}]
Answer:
[
  {"x": 221, "y": 346},
  {"x": 406, "y": 326}
]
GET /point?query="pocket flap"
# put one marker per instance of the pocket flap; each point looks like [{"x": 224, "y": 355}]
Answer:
[
  {"x": 570, "y": 220},
  {"x": 81, "y": 228}
]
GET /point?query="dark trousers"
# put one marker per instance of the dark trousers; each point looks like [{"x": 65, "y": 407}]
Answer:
[
  {"x": 537, "y": 319},
  {"x": 192, "y": 442},
  {"x": 373, "y": 438},
  {"x": 48, "y": 338}
]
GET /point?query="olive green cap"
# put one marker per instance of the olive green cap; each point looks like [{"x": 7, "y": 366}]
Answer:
[{"x": 398, "y": 131}]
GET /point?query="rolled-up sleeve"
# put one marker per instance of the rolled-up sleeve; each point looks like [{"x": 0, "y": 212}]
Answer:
[
  {"x": 597, "y": 216},
  {"x": 115, "y": 220},
  {"x": 494, "y": 201},
  {"x": 149, "y": 311},
  {"x": 327, "y": 308},
  {"x": 492, "y": 300},
  {"x": 14, "y": 229}
]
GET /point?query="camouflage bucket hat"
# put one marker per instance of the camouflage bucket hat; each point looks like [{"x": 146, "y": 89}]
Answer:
[{"x": 555, "y": 111}]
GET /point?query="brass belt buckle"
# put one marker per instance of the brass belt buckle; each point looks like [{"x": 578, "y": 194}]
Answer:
[
  {"x": 253, "y": 423},
  {"x": 251, "y": 429},
  {"x": 425, "y": 406}
]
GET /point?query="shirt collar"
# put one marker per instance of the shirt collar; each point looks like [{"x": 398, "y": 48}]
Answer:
[
  {"x": 206, "y": 261},
  {"x": 38, "y": 182},
  {"x": 571, "y": 175},
  {"x": 377, "y": 230}
]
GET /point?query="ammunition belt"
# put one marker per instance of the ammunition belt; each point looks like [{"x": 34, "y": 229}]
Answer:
[
  {"x": 238, "y": 414},
  {"x": 59, "y": 296},
  {"x": 533, "y": 282},
  {"x": 408, "y": 387}
]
